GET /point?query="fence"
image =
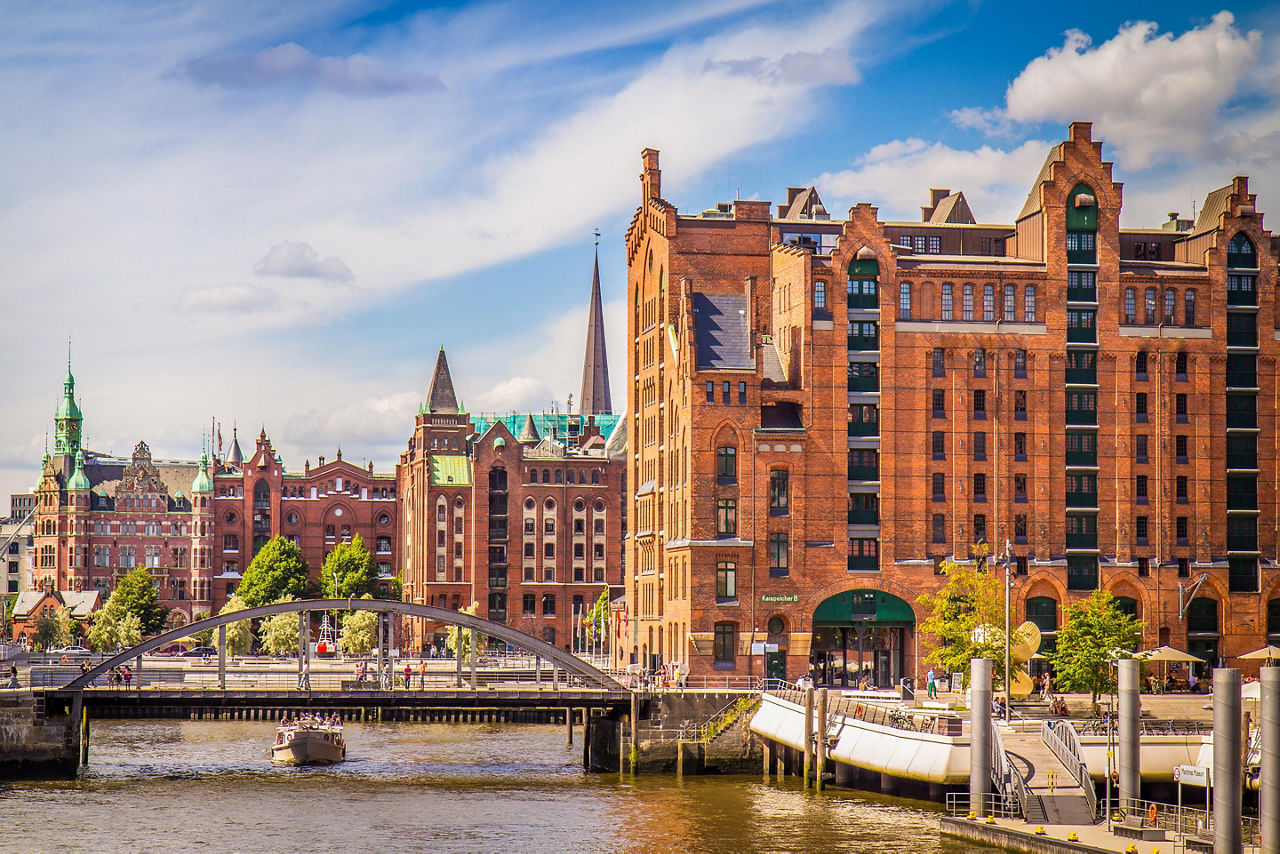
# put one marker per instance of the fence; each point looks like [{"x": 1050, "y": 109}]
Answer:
[
  {"x": 1184, "y": 820},
  {"x": 958, "y": 804}
]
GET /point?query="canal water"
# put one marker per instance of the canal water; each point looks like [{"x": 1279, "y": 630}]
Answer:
[{"x": 209, "y": 786}]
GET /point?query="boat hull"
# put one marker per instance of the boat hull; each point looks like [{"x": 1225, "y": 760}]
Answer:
[{"x": 309, "y": 747}]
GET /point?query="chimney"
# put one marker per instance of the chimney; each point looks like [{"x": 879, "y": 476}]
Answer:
[
  {"x": 322, "y": 459},
  {"x": 651, "y": 176},
  {"x": 1081, "y": 132}
]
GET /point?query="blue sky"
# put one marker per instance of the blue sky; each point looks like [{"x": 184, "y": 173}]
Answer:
[{"x": 274, "y": 213}]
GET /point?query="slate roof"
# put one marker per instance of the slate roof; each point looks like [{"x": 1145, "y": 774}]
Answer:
[
  {"x": 595, "y": 397},
  {"x": 720, "y": 331},
  {"x": 441, "y": 397}
]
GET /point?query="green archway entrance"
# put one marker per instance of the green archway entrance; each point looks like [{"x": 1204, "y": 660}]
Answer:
[{"x": 861, "y": 634}]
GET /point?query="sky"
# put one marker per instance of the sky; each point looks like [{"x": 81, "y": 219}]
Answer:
[{"x": 274, "y": 213}]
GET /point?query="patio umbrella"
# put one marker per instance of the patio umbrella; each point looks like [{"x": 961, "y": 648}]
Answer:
[
  {"x": 1267, "y": 653},
  {"x": 1166, "y": 653},
  {"x": 1251, "y": 691}
]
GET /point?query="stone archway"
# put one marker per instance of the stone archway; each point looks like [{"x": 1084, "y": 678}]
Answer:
[{"x": 862, "y": 634}]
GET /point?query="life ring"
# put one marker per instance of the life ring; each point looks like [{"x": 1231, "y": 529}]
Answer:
[
  {"x": 857, "y": 712},
  {"x": 1151, "y": 813}
]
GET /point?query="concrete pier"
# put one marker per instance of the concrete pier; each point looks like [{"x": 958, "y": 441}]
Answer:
[
  {"x": 820, "y": 739},
  {"x": 1227, "y": 835},
  {"x": 807, "y": 774},
  {"x": 980, "y": 739},
  {"x": 1130, "y": 731},
  {"x": 1269, "y": 795}
]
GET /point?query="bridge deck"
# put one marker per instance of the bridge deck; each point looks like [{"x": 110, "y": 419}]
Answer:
[{"x": 491, "y": 697}]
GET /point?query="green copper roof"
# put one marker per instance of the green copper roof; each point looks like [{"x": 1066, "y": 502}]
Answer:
[
  {"x": 546, "y": 423},
  {"x": 450, "y": 470},
  {"x": 68, "y": 408},
  {"x": 78, "y": 478},
  {"x": 202, "y": 482}
]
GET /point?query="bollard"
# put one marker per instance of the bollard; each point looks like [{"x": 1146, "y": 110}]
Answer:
[
  {"x": 1130, "y": 733},
  {"x": 1269, "y": 795},
  {"x": 820, "y": 740},
  {"x": 979, "y": 734},
  {"x": 1227, "y": 830},
  {"x": 807, "y": 771},
  {"x": 568, "y": 727}
]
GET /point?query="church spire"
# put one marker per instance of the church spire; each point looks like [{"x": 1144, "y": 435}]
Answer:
[
  {"x": 68, "y": 420},
  {"x": 441, "y": 398},
  {"x": 595, "y": 398}
]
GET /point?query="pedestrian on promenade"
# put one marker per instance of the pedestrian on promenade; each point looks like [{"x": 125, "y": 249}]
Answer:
[
  {"x": 932, "y": 685},
  {"x": 13, "y": 676},
  {"x": 304, "y": 677},
  {"x": 127, "y": 675},
  {"x": 408, "y": 676},
  {"x": 422, "y": 673}
]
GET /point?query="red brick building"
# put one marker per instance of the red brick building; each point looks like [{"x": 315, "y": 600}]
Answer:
[
  {"x": 521, "y": 514},
  {"x": 1101, "y": 399},
  {"x": 318, "y": 508}
]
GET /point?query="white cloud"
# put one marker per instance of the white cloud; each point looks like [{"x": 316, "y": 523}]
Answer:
[
  {"x": 516, "y": 394},
  {"x": 291, "y": 63},
  {"x": 231, "y": 299},
  {"x": 897, "y": 176},
  {"x": 1149, "y": 94},
  {"x": 296, "y": 260}
]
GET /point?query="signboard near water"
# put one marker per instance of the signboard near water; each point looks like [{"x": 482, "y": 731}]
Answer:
[{"x": 1191, "y": 775}]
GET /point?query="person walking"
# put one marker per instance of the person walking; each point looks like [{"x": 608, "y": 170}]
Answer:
[
  {"x": 127, "y": 675},
  {"x": 13, "y": 676},
  {"x": 304, "y": 677},
  {"x": 422, "y": 673},
  {"x": 408, "y": 676},
  {"x": 932, "y": 684}
]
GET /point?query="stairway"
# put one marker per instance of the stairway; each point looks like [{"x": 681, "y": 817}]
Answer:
[{"x": 1062, "y": 803}]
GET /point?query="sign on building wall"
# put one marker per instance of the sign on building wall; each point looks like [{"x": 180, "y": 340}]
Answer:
[{"x": 780, "y": 598}]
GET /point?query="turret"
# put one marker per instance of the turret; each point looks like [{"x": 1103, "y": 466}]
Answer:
[
  {"x": 68, "y": 420},
  {"x": 201, "y": 485},
  {"x": 79, "y": 480}
]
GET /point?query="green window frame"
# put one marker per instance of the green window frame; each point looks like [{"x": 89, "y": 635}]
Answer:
[
  {"x": 779, "y": 492},
  {"x": 727, "y": 463},
  {"x": 726, "y": 581},
  {"x": 779, "y": 554}
]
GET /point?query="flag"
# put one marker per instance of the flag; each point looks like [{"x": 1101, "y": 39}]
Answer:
[{"x": 219, "y": 440}]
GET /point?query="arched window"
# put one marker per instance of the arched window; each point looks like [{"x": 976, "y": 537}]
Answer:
[
  {"x": 1240, "y": 251},
  {"x": 1273, "y": 619},
  {"x": 1043, "y": 611},
  {"x": 904, "y": 301},
  {"x": 989, "y": 303},
  {"x": 727, "y": 464},
  {"x": 863, "y": 290},
  {"x": 1170, "y": 306},
  {"x": 1010, "y": 304},
  {"x": 948, "y": 301},
  {"x": 1149, "y": 307},
  {"x": 1082, "y": 226},
  {"x": 1202, "y": 616},
  {"x": 1126, "y": 605},
  {"x": 533, "y": 475},
  {"x": 595, "y": 477},
  {"x": 559, "y": 476},
  {"x": 1130, "y": 306},
  {"x": 779, "y": 492},
  {"x": 966, "y": 306},
  {"x": 1189, "y": 307}
]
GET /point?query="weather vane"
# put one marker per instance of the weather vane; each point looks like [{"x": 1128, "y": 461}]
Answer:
[{"x": 597, "y": 233}]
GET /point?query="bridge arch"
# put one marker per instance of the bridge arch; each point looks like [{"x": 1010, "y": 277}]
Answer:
[{"x": 564, "y": 660}]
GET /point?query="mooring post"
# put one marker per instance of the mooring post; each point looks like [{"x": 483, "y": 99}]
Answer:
[
  {"x": 568, "y": 727},
  {"x": 1269, "y": 780},
  {"x": 302, "y": 646},
  {"x": 1227, "y": 836},
  {"x": 475, "y": 642},
  {"x": 1130, "y": 733},
  {"x": 222, "y": 657},
  {"x": 635, "y": 723},
  {"x": 820, "y": 737},
  {"x": 80, "y": 720},
  {"x": 807, "y": 768},
  {"x": 537, "y": 671},
  {"x": 979, "y": 734}
]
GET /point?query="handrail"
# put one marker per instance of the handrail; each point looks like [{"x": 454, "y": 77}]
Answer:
[
  {"x": 1004, "y": 775},
  {"x": 1066, "y": 746}
]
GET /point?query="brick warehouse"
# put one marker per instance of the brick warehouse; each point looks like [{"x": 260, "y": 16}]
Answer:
[{"x": 1101, "y": 399}]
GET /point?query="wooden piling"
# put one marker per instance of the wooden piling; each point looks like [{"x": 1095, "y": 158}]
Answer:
[{"x": 807, "y": 768}]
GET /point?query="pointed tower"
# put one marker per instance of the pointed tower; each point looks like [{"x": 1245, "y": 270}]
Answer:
[
  {"x": 67, "y": 420},
  {"x": 235, "y": 457},
  {"x": 441, "y": 398},
  {"x": 529, "y": 435},
  {"x": 594, "y": 399}
]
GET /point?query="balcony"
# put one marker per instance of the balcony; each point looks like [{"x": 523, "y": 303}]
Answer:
[
  {"x": 1082, "y": 458},
  {"x": 1082, "y": 294},
  {"x": 1082, "y": 416},
  {"x": 1082, "y": 499},
  {"x": 1087, "y": 540},
  {"x": 1242, "y": 297},
  {"x": 864, "y": 563},
  {"x": 1082, "y": 335},
  {"x": 864, "y": 517},
  {"x": 1082, "y": 376},
  {"x": 864, "y": 472},
  {"x": 864, "y": 428},
  {"x": 864, "y": 342}
]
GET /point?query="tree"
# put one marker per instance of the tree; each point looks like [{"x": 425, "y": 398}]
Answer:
[
  {"x": 276, "y": 571},
  {"x": 136, "y": 593},
  {"x": 129, "y": 630},
  {"x": 50, "y": 632},
  {"x": 349, "y": 571},
  {"x": 966, "y": 616},
  {"x": 103, "y": 629},
  {"x": 359, "y": 631},
  {"x": 460, "y": 638},
  {"x": 597, "y": 618},
  {"x": 239, "y": 634},
  {"x": 1095, "y": 634},
  {"x": 280, "y": 632}
]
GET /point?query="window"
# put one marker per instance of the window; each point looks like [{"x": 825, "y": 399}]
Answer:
[
  {"x": 1020, "y": 528},
  {"x": 948, "y": 296},
  {"x": 1140, "y": 489},
  {"x": 724, "y": 397},
  {"x": 726, "y": 581},
  {"x": 979, "y": 528},
  {"x": 727, "y": 463},
  {"x": 935, "y": 244},
  {"x": 1019, "y": 446},
  {"x": 529, "y": 603},
  {"x": 967, "y": 303},
  {"x": 939, "y": 486},
  {"x": 727, "y": 517},
  {"x": 742, "y": 392},
  {"x": 1180, "y": 407},
  {"x": 939, "y": 403},
  {"x": 1144, "y": 567},
  {"x": 1180, "y": 489},
  {"x": 1240, "y": 251},
  {"x": 1180, "y": 367},
  {"x": 939, "y": 445},
  {"x": 820, "y": 295},
  {"x": 1180, "y": 449},
  {"x": 1140, "y": 530},
  {"x": 1140, "y": 448},
  {"x": 549, "y": 604},
  {"x": 1019, "y": 487},
  {"x": 1010, "y": 304},
  {"x": 1140, "y": 365},
  {"x": 1130, "y": 305},
  {"x": 939, "y": 528},
  {"x": 979, "y": 487},
  {"x": 779, "y": 554},
  {"x": 1149, "y": 307},
  {"x": 1180, "y": 530},
  {"x": 939, "y": 362},
  {"x": 779, "y": 495},
  {"x": 711, "y": 392},
  {"x": 979, "y": 403},
  {"x": 1170, "y": 306},
  {"x": 988, "y": 303},
  {"x": 725, "y": 640},
  {"x": 904, "y": 301},
  {"x": 979, "y": 363},
  {"x": 1140, "y": 406},
  {"x": 1189, "y": 308},
  {"x": 230, "y": 543},
  {"x": 1020, "y": 405},
  {"x": 1019, "y": 363},
  {"x": 979, "y": 446},
  {"x": 549, "y": 551},
  {"x": 1029, "y": 304}
]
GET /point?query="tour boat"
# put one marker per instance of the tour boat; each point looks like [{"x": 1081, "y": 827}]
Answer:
[{"x": 308, "y": 743}]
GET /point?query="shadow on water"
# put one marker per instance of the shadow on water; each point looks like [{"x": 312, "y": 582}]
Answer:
[{"x": 169, "y": 785}]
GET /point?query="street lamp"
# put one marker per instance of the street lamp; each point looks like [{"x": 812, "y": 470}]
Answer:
[{"x": 1008, "y": 708}]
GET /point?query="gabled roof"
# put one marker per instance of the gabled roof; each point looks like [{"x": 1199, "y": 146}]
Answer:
[
  {"x": 441, "y": 398},
  {"x": 1215, "y": 205},
  {"x": 450, "y": 470},
  {"x": 720, "y": 331},
  {"x": 82, "y": 603},
  {"x": 806, "y": 203},
  {"x": 954, "y": 209},
  {"x": 548, "y": 448},
  {"x": 1032, "y": 203}
]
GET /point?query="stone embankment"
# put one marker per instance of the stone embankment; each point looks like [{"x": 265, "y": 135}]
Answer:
[{"x": 33, "y": 743}]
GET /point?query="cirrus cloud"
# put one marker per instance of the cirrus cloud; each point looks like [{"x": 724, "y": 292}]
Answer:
[{"x": 291, "y": 63}]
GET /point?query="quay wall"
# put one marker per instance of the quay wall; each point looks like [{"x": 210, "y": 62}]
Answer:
[
  {"x": 1007, "y": 839},
  {"x": 35, "y": 741}
]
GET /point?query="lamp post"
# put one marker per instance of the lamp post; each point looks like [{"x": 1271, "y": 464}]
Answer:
[{"x": 1008, "y": 708}]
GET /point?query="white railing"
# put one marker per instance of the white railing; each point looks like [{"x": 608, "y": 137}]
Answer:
[
  {"x": 1008, "y": 781},
  {"x": 1061, "y": 738},
  {"x": 958, "y": 804}
]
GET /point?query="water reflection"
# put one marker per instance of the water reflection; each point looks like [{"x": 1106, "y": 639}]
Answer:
[{"x": 169, "y": 785}]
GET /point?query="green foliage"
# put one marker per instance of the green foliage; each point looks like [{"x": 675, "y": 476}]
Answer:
[
  {"x": 276, "y": 571},
  {"x": 136, "y": 593},
  {"x": 359, "y": 631},
  {"x": 349, "y": 571},
  {"x": 966, "y": 616},
  {"x": 204, "y": 637},
  {"x": 1096, "y": 632},
  {"x": 129, "y": 630},
  {"x": 395, "y": 590},
  {"x": 279, "y": 633},
  {"x": 102, "y": 631},
  {"x": 50, "y": 632},
  {"x": 460, "y": 638},
  {"x": 239, "y": 634},
  {"x": 597, "y": 618}
]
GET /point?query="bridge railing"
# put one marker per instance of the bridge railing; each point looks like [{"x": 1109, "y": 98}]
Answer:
[{"x": 1061, "y": 738}]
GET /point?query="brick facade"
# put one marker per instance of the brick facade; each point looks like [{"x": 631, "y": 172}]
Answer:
[{"x": 1103, "y": 399}]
